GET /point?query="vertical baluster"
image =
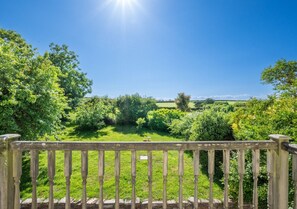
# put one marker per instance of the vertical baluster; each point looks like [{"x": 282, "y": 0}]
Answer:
[
  {"x": 165, "y": 173},
  {"x": 270, "y": 171},
  {"x": 101, "y": 177},
  {"x": 117, "y": 179},
  {"x": 84, "y": 175},
  {"x": 67, "y": 174},
  {"x": 241, "y": 170},
  {"x": 17, "y": 172},
  {"x": 180, "y": 174},
  {"x": 150, "y": 179},
  {"x": 196, "y": 175},
  {"x": 211, "y": 159},
  {"x": 51, "y": 164},
  {"x": 294, "y": 176},
  {"x": 133, "y": 176},
  {"x": 226, "y": 170},
  {"x": 34, "y": 174},
  {"x": 256, "y": 168}
]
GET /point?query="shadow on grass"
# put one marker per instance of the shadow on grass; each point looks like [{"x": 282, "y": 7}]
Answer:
[
  {"x": 129, "y": 129},
  {"x": 218, "y": 173},
  {"x": 88, "y": 134}
]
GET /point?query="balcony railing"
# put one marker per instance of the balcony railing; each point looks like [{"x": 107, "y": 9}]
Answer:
[{"x": 277, "y": 150}]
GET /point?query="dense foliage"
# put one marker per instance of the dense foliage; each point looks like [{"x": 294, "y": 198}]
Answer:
[
  {"x": 211, "y": 126},
  {"x": 74, "y": 82},
  {"x": 132, "y": 107},
  {"x": 94, "y": 113},
  {"x": 182, "y": 102},
  {"x": 182, "y": 127},
  {"x": 161, "y": 119},
  {"x": 259, "y": 118},
  {"x": 31, "y": 101},
  {"x": 283, "y": 77}
]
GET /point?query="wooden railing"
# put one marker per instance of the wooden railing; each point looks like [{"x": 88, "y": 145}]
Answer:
[{"x": 277, "y": 168}]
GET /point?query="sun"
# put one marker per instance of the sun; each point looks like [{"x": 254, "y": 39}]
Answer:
[{"x": 126, "y": 4}]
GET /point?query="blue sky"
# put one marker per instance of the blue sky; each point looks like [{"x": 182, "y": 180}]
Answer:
[{"x": 205, "y": 48}]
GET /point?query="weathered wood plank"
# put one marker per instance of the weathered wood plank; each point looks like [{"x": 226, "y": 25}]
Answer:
[
  {"x": 241, "y": 171},
  {"x": 256, "y": 168},
  {"x": 294, "y": 177},
  {"x": 101, "y": 177},
  {"x": 165, "y": 173},
  {"x": 133, "y": 176},
  {"x": 129, "y": 146},
  {"x": 117, "y": 179},
  {"x": 211, "y": 159},
  {"x": 34, "y": 170},
  {"x": 271, "y": 178},
  {"x": 226, "y": 171},
  {"x": 180, "y": 174},
  {"x": 17, "y": 172},
  {"x": 51, "y": 164},
  {"x": 67, "y": 174},
  {"x": 196, "y": 157},
  {"x": 84, "y": 175}
]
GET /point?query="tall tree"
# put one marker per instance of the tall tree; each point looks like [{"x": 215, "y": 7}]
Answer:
[
  {"x": 282, "y": 76},
  {"x": 74, "y": 82},
  {"x": 31, "y": 101},
  {"x": 182, "y": 102}
]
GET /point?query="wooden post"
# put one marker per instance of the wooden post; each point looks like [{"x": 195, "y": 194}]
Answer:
[
  {"x": 280, "y": 189},
  {"x": 6, "y": 171}
]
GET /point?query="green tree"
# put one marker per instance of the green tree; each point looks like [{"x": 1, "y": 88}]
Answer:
[
  {"x": 31, "y": 101},
  {"x": 282, "y": 76},
  {"x": 74, "y": 82},
  {"x": 182, "y": 102},
  {"x": 132, "y": 107},
  {"x": 161, "y": 119},
  {"x": 209, "y": 101},
  {"x": 94, "y": 113}
]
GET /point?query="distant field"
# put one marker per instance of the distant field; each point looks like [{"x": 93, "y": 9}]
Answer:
[{"x": 171, "y": 104}]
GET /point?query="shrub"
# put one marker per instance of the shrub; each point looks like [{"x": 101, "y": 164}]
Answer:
[
  {"x": 140, "y": 123},
  {"x": 182, "y": 127},
  {"x": 132, "y": 107},
  {"x": 94, "y": 114},
  {"x": 161, "y": 119},
  {"x": 255, "y": 121},
  {"x": 211, "y": 125}
]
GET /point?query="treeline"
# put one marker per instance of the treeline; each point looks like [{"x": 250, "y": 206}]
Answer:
[{"x": 37, "y": 91}]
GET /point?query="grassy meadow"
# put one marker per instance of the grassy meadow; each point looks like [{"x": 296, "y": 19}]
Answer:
[
  {"x": 119, "y": 133},
  {"x": 171, "y": 104}
]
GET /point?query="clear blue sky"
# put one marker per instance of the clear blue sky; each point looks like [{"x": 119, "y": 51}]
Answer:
[{"x": 161, "y": 47}]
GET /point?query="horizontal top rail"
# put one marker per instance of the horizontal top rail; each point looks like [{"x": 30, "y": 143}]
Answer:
[
  {"x": 201, "y": 145},
  {"x": 291, "y": 148}
]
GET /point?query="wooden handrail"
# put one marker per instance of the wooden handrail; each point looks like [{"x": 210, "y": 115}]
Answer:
[
  {"x": 277, "y": 167},
  {"x": 146, "y": 146}
]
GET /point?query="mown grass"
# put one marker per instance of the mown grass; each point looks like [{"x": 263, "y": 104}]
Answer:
[{"x": 119, "y": 133}]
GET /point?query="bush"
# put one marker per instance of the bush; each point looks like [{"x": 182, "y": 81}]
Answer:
[
  {"x": 211, "y": 126},
  {"x": 182, "y": 127},
  {"x": 140, "y": 123},
  {"x": 132, "y": 107},
  {"x": 255, "y": 121},
  {"x": 161, "y": 119},
  {"x": 95, "y": 113},
  {"x": 248, "y": 178}
]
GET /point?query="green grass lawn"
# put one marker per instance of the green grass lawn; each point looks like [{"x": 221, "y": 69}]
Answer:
[{"x": 119, "y": 133}]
